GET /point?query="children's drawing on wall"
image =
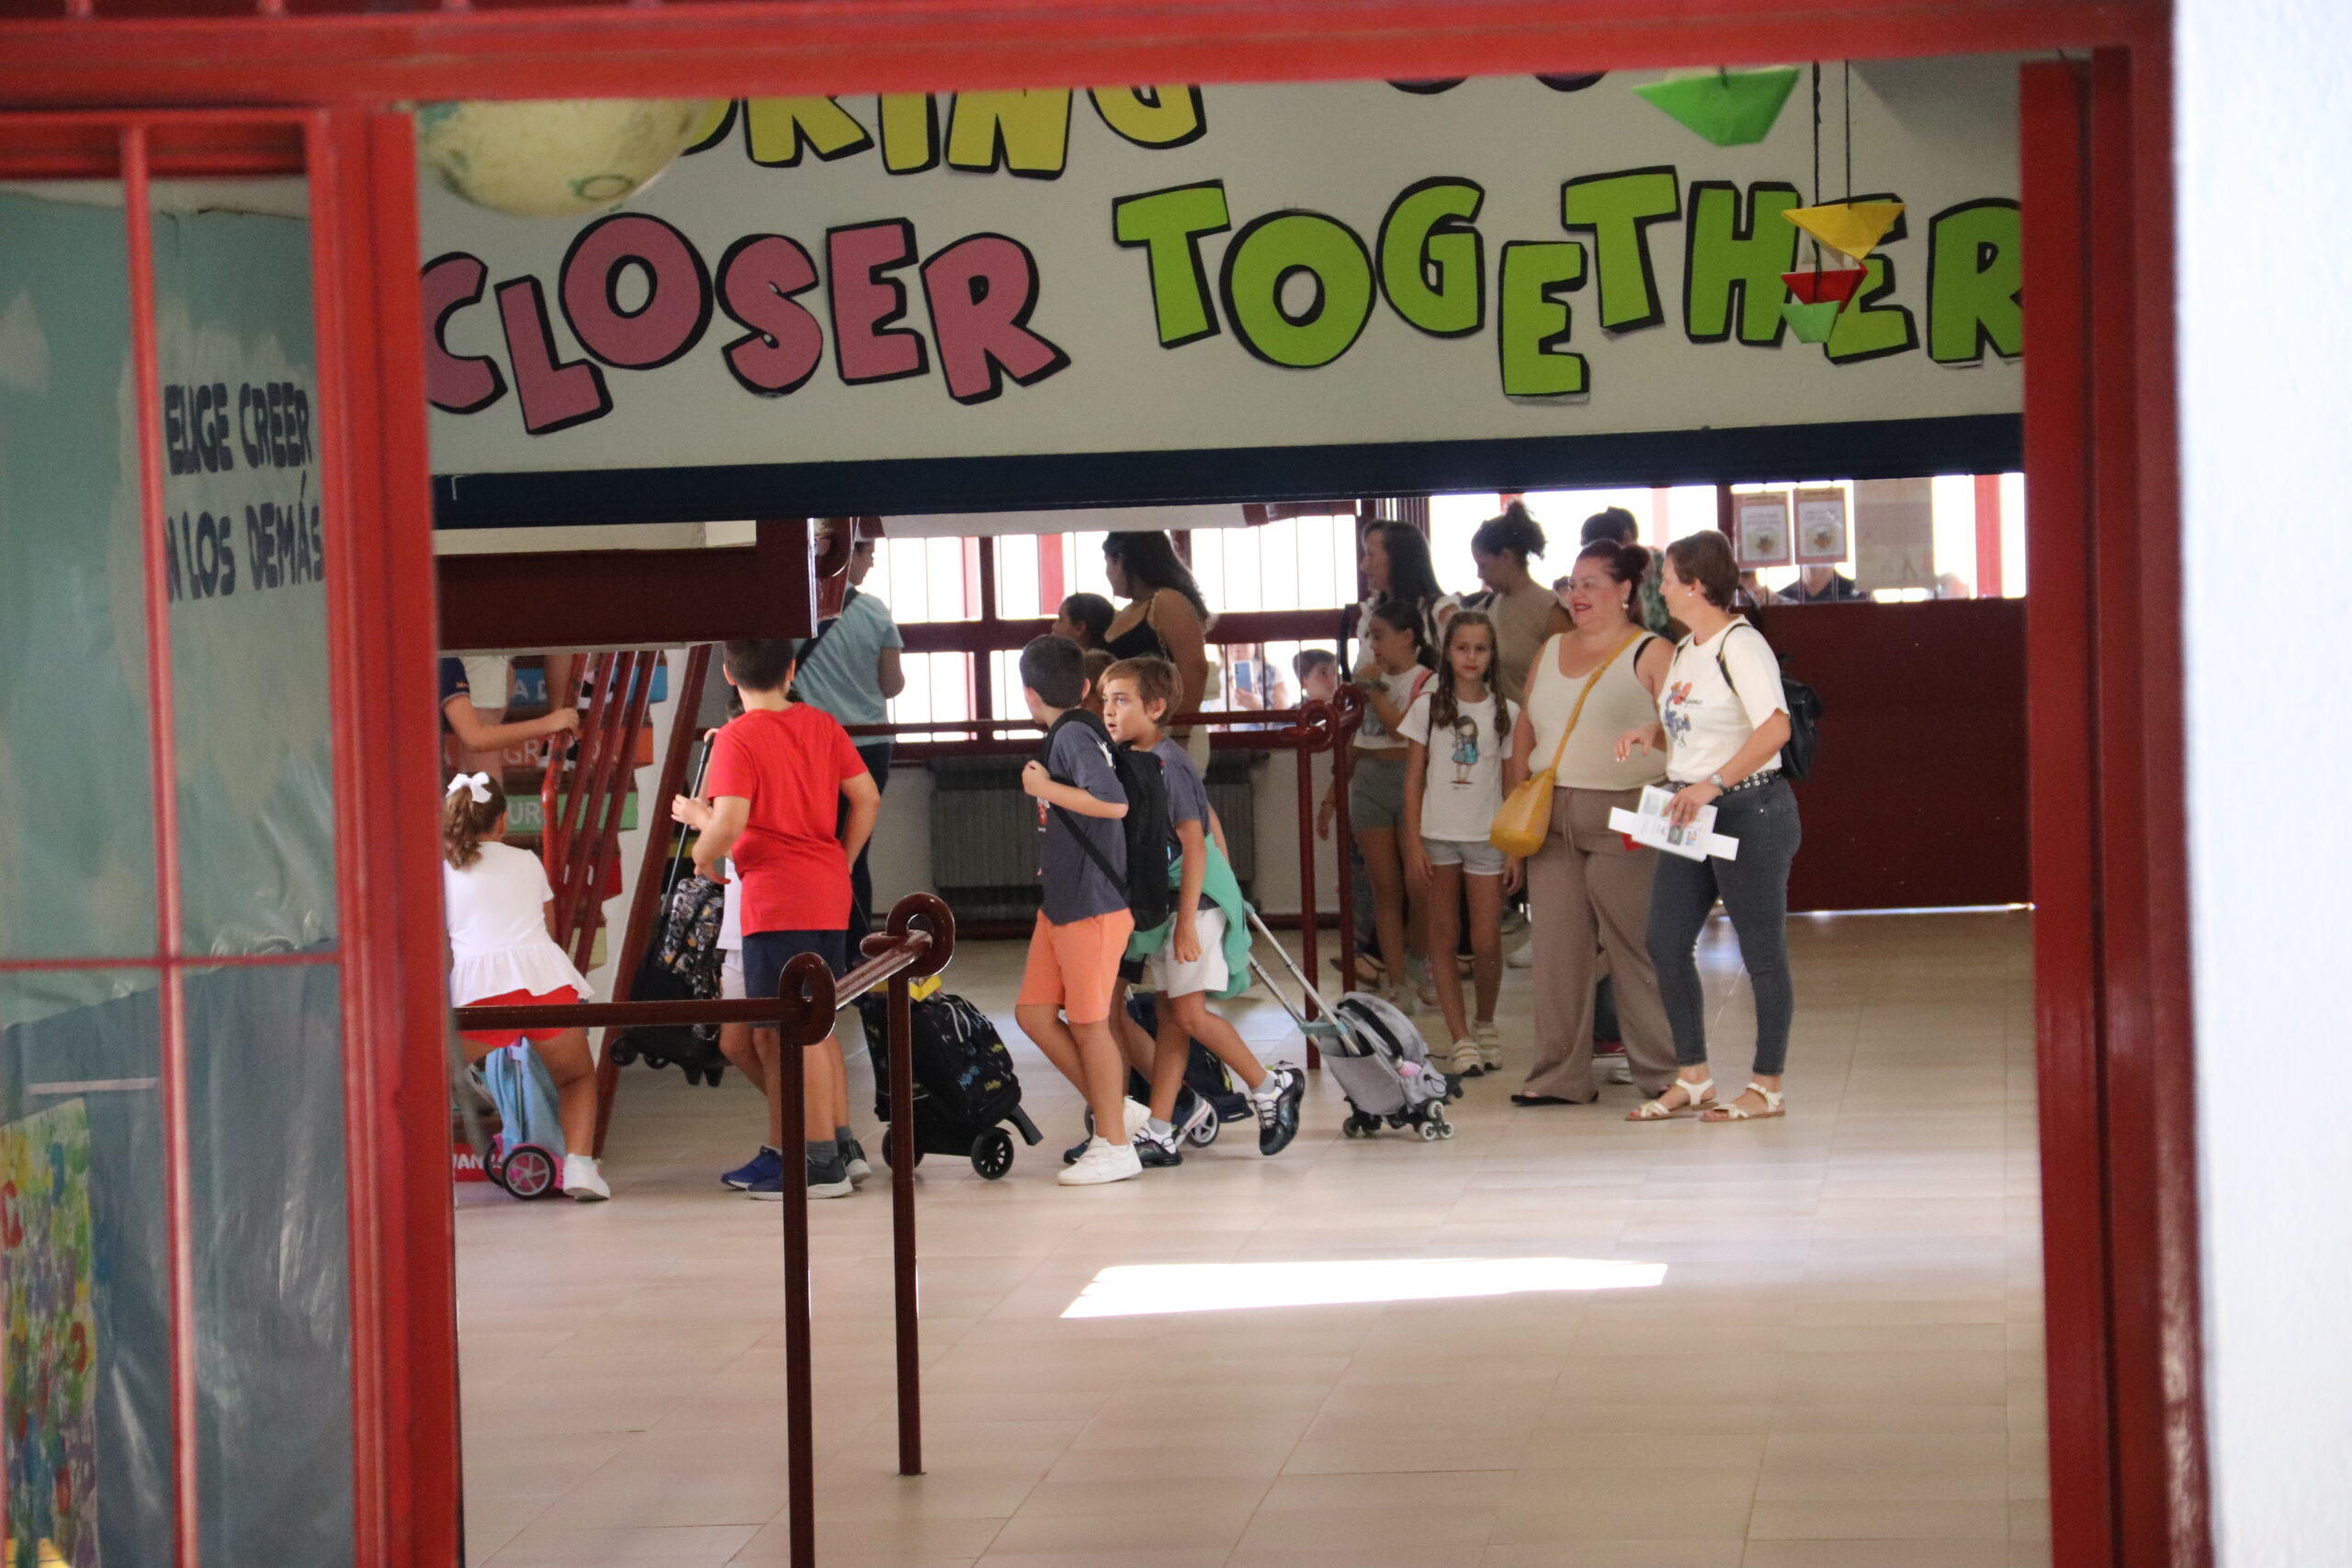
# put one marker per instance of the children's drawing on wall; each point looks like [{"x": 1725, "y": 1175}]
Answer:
[{"x": 47, "y": 1389}]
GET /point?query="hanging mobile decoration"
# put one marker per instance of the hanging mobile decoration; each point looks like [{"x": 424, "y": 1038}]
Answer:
[
  {"x": 1851, "y": 227},
  {"x": 1817, "y": 295},
  {"x": 1730, "y": 108}
]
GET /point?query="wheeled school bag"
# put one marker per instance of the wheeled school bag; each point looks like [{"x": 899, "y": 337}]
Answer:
[
  {"x": 526, "y": 1155},
  {"x": 1204, "y": 1074},
  {"x": 1373, "y": 1054},
  {"x": 964, "y": 1085},
  {"x": 681, "y": 965}
]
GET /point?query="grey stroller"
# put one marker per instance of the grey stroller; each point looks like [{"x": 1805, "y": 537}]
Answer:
[{"x": 1373, "y": 1051}]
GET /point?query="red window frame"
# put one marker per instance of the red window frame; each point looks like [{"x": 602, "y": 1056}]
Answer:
[{"x": 2111, "y": 942}]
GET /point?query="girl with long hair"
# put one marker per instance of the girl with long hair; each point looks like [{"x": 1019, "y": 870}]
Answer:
[
  {"x": 1458, "y": 733},
  {"x": 1521, "y": 607},
  {"x": 500, "y": 918},
  {"x": 1398, "y": 670}
]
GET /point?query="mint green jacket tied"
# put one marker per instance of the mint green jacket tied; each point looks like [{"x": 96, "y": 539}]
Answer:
[{"x": 1219, "y": 888}]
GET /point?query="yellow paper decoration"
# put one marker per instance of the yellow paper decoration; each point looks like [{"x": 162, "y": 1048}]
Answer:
[{"x": 1850, "y": 228}]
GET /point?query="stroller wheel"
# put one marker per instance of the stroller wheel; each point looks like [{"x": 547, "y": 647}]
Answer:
[
  {"x": 528, "y": 1171},
  {"x": 1432, "y": 1130},
  {"x": 712, "y": 1075},
  {"x": 890, "y": 1147},
  {"x": 1355, "y": 1128},
  {"x": 993, "y": 1154},
  {"x": 1205, "y": 1133}
]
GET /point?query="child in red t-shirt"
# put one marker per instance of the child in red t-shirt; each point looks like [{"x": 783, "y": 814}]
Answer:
[{"x": 777, "y": 777}]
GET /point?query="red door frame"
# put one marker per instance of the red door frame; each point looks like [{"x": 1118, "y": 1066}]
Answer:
[{"x": 2127, "y": 1428}]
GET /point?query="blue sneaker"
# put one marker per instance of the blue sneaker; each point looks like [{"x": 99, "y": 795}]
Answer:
[
  {"x": 824, "y": 1181},
  {"x": 766, "y": 1165}
]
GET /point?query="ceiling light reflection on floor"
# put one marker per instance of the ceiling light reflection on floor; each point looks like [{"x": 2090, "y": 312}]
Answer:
[{"x": 1134, "y": 1290}]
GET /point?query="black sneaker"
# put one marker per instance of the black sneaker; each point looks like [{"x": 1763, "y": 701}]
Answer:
[
  {"x": 1278, "y": 1112},
  {"x": 1157, "y": 1149}
]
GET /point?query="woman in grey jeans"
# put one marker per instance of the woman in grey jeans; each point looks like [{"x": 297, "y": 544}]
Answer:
[{"x": 1723, "y": 720}]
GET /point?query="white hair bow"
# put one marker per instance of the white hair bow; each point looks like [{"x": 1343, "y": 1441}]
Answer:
[{"x": 478, "y": 783}]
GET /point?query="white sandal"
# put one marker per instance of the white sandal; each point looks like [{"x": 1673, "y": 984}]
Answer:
[
  {"x": 1695, "y": 1095},
  {"x": 1772, "y": 1099}
]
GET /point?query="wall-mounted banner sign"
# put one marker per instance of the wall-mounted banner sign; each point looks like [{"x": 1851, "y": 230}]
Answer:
[{"x": 1049, "y": 297}]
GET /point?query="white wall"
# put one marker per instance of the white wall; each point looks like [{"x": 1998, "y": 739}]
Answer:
[{"x": 2263, "y": 99}]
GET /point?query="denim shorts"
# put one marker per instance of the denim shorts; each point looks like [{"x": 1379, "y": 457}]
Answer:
[{"x": 1474, "y": 856}]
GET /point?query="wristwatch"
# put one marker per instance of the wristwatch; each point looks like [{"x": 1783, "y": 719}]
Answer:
[{"x": 1716, "y": 779}]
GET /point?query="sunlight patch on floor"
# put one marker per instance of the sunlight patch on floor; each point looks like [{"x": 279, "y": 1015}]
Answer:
[{"x": 1136, "y": 1289}]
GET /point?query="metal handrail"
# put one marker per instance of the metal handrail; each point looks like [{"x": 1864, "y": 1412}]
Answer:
[{"x": 918, "y": 942}]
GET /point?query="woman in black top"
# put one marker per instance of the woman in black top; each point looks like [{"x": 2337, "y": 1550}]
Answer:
[{"x": 1165, "y": 615}]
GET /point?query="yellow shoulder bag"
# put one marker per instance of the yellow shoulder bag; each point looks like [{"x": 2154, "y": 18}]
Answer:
[{"x": 1524, "y": 820}]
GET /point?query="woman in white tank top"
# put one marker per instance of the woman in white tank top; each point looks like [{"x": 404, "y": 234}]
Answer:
[{"x": 1587, "y": 890}]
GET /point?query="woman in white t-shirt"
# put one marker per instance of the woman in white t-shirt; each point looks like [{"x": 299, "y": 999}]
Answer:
[
  {"x": 1723, "y": 720},
  {"x": 497, "y": 901},
  {"x": 1458, "y": 733}
]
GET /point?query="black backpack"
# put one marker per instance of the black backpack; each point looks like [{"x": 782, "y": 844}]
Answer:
[
  {"x": 1804, "y": 714},
  {"x": 1151, "y": 837}
]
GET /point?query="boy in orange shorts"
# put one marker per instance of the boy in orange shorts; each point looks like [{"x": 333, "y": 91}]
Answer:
[{"x": 1083, "y": 927}]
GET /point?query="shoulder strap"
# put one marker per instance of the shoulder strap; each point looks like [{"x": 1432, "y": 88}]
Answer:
[
  {"x": 1101, "y": 861},
  {"x": 1723, "y": 665},
  {"x": 1087, "y": 721},
  {"x": 1589, "y": 682}
]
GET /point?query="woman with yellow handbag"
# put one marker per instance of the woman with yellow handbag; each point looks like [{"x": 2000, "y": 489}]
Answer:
[{"x": 1588, "y": 889}]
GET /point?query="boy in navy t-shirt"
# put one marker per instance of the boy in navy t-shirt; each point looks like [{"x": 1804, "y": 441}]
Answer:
[{"x": 1084, "y": 923}]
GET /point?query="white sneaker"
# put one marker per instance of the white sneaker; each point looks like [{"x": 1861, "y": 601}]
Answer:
[
  {"x": 1138, "y": 1117},
  {"x": 1462, "y": 1060},
  {"x": 582, "y": 1182},
  {"x": 1523, "y": 956},
  {"x": 1490, "y": 1045},
  {"x": 1102, "y": 1162}
]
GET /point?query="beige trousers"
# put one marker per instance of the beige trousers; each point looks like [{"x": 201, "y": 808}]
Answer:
[{"x": 1588, "y": 894}]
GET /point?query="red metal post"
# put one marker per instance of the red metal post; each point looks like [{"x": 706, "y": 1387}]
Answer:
[
  {"x": 931, "y": 913},
  {"x": 1989, "y": 535},
  {"x": 660, "y": 832},
  {"x": 1307, "y": 869},
  {"x": 806, "y": 977},
  {"x": 906, "y": 1283},
  {"x": 2061, "y": 705},
  {"x": 1350, "y": 707},
  {"x": 163, "y": 761}
]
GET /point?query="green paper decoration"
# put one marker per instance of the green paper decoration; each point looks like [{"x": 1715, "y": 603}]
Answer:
[
  {"x": 1730, "y": 108},
  {"x": 1812, "y": 324}
]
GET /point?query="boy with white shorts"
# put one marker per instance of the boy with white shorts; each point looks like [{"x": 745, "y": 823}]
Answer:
[{"x": 1197, "y": 958}]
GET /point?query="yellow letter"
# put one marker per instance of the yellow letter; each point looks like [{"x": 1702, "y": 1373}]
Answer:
[
  {"x": 776, "y": 128},
  {"x": 909, "y": 132},
  {"x": 1030, "y": 126},
  {"x": 1152, "y": 117}
]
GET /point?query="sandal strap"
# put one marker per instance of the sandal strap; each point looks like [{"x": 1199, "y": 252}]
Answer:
[
  {"x": 1693, "y": 1094},
  {"x": 1771, "y": 1097}
]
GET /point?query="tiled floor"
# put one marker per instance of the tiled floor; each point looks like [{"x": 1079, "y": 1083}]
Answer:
[{"x": 1840, "y": 1368}]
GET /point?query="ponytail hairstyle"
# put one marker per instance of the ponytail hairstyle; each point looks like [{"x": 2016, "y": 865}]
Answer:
[
  {"x": 472, "y": 809},
  {"x": 1516, "y": 532},
  {"x": 1445, "y": 706},
  {"x": 1405, "y": 615},
  {"x": 1627, "y": 564}
]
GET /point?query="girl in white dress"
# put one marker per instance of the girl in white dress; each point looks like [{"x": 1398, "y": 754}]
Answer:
[{"x": 499, "y": 906}]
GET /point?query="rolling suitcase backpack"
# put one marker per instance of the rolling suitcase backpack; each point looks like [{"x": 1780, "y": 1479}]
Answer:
[{"x": 965, "y": 1086}]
